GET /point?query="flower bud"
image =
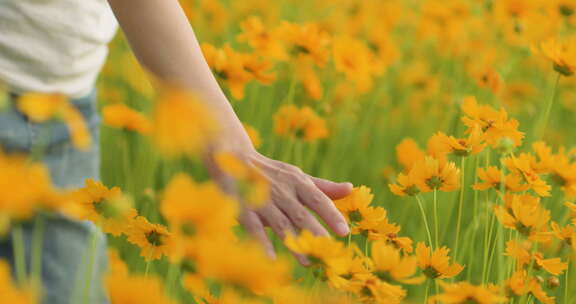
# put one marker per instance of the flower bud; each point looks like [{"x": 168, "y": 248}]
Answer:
[
  {"x": 553, "y": 282},
  {"x": 506, "y": 145}
]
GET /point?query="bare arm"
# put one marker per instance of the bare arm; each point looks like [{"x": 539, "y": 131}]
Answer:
[{"x": 164, "y": 42}]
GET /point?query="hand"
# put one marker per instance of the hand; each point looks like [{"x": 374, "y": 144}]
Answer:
[{"x": 292, "y": 194}]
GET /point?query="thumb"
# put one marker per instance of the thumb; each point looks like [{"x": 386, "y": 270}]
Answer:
[{"x": 332, "y": 189}]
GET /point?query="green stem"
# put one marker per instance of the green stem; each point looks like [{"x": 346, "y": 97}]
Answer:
[
  {"x": 566, "y": 281},
  {"x": 460, "y": 203},
  {"x": 543, "y": 123},
  {"x": 425, "y": 221},
  {"x": 90, "y": 269},
  {"x": 171, "y": 278},
  {"x": 19, "y": 254},
  {"x": 37, "y": 247},
  {"x": 147, "y": 269},
  {"x": 436, "y": 218}
]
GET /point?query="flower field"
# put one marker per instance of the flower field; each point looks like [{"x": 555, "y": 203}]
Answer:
[{"x": 454, "y": 121}]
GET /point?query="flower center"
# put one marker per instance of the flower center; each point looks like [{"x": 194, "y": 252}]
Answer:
[{"x": 154, "y": 238}]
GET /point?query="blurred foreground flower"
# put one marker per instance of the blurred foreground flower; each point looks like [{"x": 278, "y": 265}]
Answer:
[
  {"x": 181, "y": 124},
  {"x": 40, "y": 108}
]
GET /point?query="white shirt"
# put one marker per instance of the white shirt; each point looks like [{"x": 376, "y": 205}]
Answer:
[{"x": 54, "y": 45}]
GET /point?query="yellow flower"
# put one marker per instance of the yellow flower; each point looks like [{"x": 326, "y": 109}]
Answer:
[
  {"x": 566, "y": 234},
  {"x": 436, "y": 265},
  {"x": 28, "y": 188},
  {"x": 154, "y": 240},
  {"x": 464, "y": 292},
  {"x": 121, "y": 116},
  {"x": 495, "y": 125},
  {"x": 309, "y": 78},
  {"x": 261, "y": 38},
  {"x": 370, "y": 289},
  {"x": 389, "y": 265},
  {"x": 321, "y": 250},
  {"x": 297, "y": 122},
  {"x": 523, "y": 166},
  {"x": 405, "y": 185},
  {"x": 306, "y": 43},
  {"x": 108, "y": 208},
  {"x": 353, "y": 205},
  {"x": 198, "y": 210},
  {"x": 445, "y": 144},
  {"x": 523, "y": 255},
  {"x": 491, "y": 178},
  {"x": 181, "y": 124},
  {"x": 243, "y": 264},
  {"x": 252, "y": 186},
  {"x": 408, "y": 153},
  {"x": 520, "y": 284},
  {"x": 134, "y": 289},
  {"x": 11, "y": 293},
  {"x": 254, "y": 135},
  {"x": 40, "y": 107},
  {"x": 562, "y": 54},
  {"x": 353, "y": 58},
  {"x": 430, "y": 174},
  {"x": 228, "y": 66},
  {"x": 530, "y": 219}
]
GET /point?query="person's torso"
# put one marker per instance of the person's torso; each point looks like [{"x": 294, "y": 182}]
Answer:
[{"x": 54, "y": 45}]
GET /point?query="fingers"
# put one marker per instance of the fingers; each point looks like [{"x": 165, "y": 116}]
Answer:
[
  {"x": 331, "y": 189},
  {"x": 300, "y": 217},
  {"x": 323, "y": 206},
  {"x": 253, "y": 225},
  {"x": 272, "y": 217}
]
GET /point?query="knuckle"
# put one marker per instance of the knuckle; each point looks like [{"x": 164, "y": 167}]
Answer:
[{"x": 300, "y": 216}]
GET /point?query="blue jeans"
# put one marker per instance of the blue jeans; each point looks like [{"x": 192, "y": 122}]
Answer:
[{"x": 67, "y": 243}]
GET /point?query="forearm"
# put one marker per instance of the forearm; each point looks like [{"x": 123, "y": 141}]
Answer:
[{"x": 164, "y": 43}]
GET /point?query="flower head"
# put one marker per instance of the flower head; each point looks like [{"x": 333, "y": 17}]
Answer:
[{"x": 436, "y": 264}]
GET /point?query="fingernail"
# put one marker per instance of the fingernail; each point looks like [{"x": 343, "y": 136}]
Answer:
[{"x": 342, "y": 229}]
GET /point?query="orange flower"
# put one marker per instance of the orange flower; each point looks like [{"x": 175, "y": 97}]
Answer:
[
  {"x": 430, "y": 174},
  {"x": 261, "y": 38},
  {"x": 107, "y": 208},
  {"x": 444, "y": 144},
  {"x": 464, "y": 292},
  {"x": 355, "y": 204},
  {"x": 405, "y": 185},
  {"x": 520, "y": 284},
  {"x": 121, "y": 116},
  {"x": 307, "y": 43},
  {"x": 228, "y": 66},
  {"x": 562, "y": 54},
  {"x": 521, "y": 252},
  {"x": 28, "y": 188},
  {"x": 491, "y": 178},
  {"x": 389, "y": 265},
  {"x": 353, "y": 58},
  {"x": 525, "y": 216},
  {"x": 494, "y": 124},
  {"x": 254, "y": 135},
  {"x": 299, "y": 122},
  {"x": 524, "y": 166},
  {"x": 181, "y": 124},
  {"x": 408, "y": 153},
  {"x": 40, "y": 107},
  {"x": 566, "y": 234},
  {"x": 154, "y": 240},
  {"x": 436, "y": 264}
]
